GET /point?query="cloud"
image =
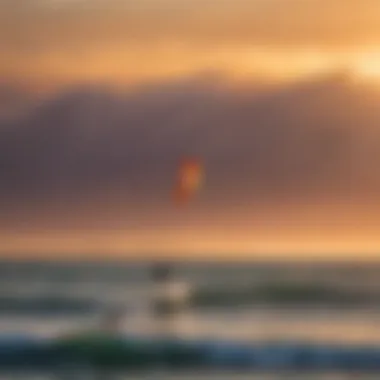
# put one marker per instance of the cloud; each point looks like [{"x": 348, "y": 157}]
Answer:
[
  {"x": 116, "y": 41},
  {"x": 275, "y": 22},
  {"x": 311, "y": 140}
]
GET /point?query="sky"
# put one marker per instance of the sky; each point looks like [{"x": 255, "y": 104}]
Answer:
[{"x": 278, "y": 99}]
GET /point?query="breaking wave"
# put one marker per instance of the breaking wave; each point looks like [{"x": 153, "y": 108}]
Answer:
[{"x": 287, "y": 295}]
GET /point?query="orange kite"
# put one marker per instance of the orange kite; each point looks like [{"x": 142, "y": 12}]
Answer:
[{"x": 189, "y": 179}]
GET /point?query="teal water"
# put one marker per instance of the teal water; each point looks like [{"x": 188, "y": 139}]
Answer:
[
  {"x": 197, "y": 376},
  {"x": 47, "y": 298},
  {"x": 51, "y": 299}
]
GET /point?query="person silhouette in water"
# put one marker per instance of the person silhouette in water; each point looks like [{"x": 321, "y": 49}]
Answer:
[{"x": 169, "y": 298}]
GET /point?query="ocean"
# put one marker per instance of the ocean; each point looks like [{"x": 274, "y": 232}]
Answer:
[{"x": 239, "y": 302}]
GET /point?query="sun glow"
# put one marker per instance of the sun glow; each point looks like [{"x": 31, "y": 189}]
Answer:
[{"x": 368, "y": 67}]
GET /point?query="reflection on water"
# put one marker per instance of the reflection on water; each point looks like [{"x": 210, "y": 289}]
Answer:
[
  {"x": 51, "y": 299},
  {"x": 353, "y": 326}
]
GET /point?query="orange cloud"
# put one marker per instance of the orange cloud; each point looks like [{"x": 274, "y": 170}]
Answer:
[{"x": 114, "y": 41}]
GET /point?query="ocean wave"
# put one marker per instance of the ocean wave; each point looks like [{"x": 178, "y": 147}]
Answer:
[
  {"x": 281, "y": 294},
  {"x": 41, "y": 305},
  {"x": 137, "y": 353},
  {"x": 201, "y": 297}
]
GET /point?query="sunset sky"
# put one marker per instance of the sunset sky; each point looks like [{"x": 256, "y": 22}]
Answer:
[{"x": 279, "y": 99}]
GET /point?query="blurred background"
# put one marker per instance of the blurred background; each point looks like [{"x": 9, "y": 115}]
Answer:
[{"x": 189, "y": 186}]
